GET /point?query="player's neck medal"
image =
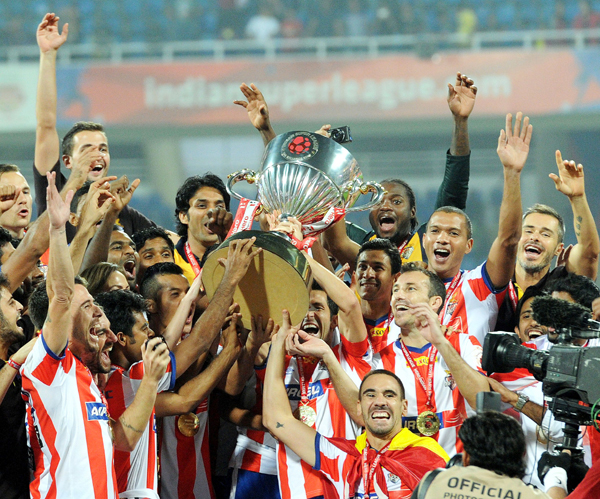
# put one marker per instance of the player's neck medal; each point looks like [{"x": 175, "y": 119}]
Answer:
[
  {"x": 306, "y": 414},
  {"x": 188, "y": 424},
  {"x": 428, "y": 423}
]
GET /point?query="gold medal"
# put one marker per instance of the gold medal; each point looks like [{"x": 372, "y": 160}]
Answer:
[
  {"x": 188, "y": 424},
  {"x": 306, "y": 414},
  {"x": 428, "y": 423}
]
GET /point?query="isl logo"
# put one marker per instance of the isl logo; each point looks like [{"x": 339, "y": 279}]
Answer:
[{"x": 300, "y": 146}]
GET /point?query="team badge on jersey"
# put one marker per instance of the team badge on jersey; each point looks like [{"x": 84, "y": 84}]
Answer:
[
  {"x": 96, "y": 411},
  {"x": 394, "y": 478},
  {"x": 449, "y": 380},
  {"x": 407, "y": 252}
]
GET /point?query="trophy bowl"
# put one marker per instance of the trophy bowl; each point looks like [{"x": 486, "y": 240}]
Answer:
[{"x": 305, "y": 174}]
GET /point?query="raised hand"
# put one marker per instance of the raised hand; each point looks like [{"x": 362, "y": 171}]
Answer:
[
  {"x": 240, "y": 255},
  {"x": 97, "y": 203},
  {"x": 324, "y": 131},
  {"x": 219, "y": 221},
  {"x": 8, "y": 196},
  {"x": 258, "y": 112},
  {"x": 427, "y": 322},
  {"x": 285, "y": 330},
  {"x": 513, "y": 144},
  {"x": 155, "y": 355},
  {"x": 570, "y": 179},
  {"x": 48, "y": 37},
  {"x": 306, "y": 345},
  {"x": 231, "y": 336},
  {"x": 261, "y": 333},
  {"x": 291, "y": 227},
  {"x": 58, "y": 210},
  {"x": 122, "y": 192},
  {"x": 461, "y": 96}
]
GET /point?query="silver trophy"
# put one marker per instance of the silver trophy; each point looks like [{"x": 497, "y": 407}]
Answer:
[{"x": 304, "y": 175}]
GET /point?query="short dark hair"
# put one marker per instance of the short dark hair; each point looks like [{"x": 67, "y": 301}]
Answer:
[
  {"x": 436, "y": 285},
  {"x": 530, "y": 292},
  {"x": 98, "y": 274},
  {"x": 187, "y": 191},
  {"x": 412, "y": 201},
  {"x": 8, "y": 167},
  {"x": 82, "y": 191},
  {"x": 381, "y": 371},
  {"x": 80, "y": 126},
  {"x": 582, "y": 289},
  {"x": 506, "y": 455},
  {"x": 544, "y": 209},
  {"x": 458, "y": 211},
  {"x": 37, "y": 306},
  {"x": 333, "y": 308},
  {"x": 119, "y": 306},
  {"x": 4, "y": 282},
  {"x": 149, "y": 287},
  {"x": 141, "y": 236},
  {"x": 5, "y": 238},
  {"x": 381, "y": 244}
]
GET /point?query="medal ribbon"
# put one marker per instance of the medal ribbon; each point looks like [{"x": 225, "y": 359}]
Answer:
[
  {"x": 192, "y": 259},
  {"x": 303, "y": 389},
  {"x": 456, "y": 280},
  {"x": 428, "y": 387},
  {"x": 512, "y": 294},
  {"x": 244, "y": 216},
  {"x": 367, "y": 471}
]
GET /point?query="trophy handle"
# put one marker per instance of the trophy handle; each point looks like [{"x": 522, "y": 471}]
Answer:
[
  {"x": 233, "y": 178},
  {"x": 365, "y": 188}
]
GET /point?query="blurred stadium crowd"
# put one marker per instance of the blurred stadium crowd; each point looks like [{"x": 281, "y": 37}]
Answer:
[{"x": 117, "y": 21}]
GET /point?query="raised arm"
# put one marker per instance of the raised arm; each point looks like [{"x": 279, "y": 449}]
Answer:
[
  {"x": 49, "y": 40},
  {"x": 96, "y": 206},
  {"x": 97, "y": 250},
  {"x": 307, "y": 345},
  {"x": 258, "y": 111},
  {"x": 351, "y": 322},
  {"x": 243, "y": 368},
  {"x": 60, "y": 278},
  {"x": 129, "y": 428},
  {"x": 206, "y": 329},
  {"x": 455, "y": 186},
  {"x": 469, "y": 381},
  {"x": 11, "y": 368},
  {"x": 189, "y": 396},
  {"x": 336, "y": 241},
  {"x": 583, "y": 258},
  {"x": 513, "y": 149},
  {"x": 277, "y": 413},
  {"x": 172, "y": 333}
]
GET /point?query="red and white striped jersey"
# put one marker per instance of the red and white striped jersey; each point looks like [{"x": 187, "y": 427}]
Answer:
[
  {"x": 136, "y": 470},
  {"x": 382, "y": 332},
  {"x": 447, "y": 401},
  {"x": 185, "y": 461},
  {"x": 473, "y": 306},
  {"x": 255, "y": 450},
  {"x": 297, "y": 480},
  {"x": 68, "y": 428}
]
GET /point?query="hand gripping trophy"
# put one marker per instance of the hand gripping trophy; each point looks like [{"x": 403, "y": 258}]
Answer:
[{"x": 303, "y": 175}]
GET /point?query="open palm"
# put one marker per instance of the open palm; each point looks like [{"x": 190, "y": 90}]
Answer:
[{"x": 48, "y": 36}]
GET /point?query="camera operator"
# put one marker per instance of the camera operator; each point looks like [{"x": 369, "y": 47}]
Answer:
[{"x": 487, "y": 470}]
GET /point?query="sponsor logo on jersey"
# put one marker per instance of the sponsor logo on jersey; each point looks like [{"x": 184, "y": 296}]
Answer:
[
  {"x": 314, "y": 390},
  {"x": 96, "y": 411}
]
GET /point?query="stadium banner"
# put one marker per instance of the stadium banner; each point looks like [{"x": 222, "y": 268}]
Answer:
[
  {"x": 18, "y": 83},
  {"x": 394, "y": 87}
]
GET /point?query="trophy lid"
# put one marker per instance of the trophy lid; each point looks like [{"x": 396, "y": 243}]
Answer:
[{"x": 314, "y": 150}]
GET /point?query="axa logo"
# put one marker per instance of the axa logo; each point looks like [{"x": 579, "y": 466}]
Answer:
[{"x": 96, "y": 411}]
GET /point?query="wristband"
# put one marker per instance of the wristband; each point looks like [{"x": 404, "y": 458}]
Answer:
[
  {"x": 556, "y": 477},
  {"x": 15, "y": 365}
]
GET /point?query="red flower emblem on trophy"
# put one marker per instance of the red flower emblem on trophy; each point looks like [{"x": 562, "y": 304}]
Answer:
[{"x": 300, "y": 145}]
